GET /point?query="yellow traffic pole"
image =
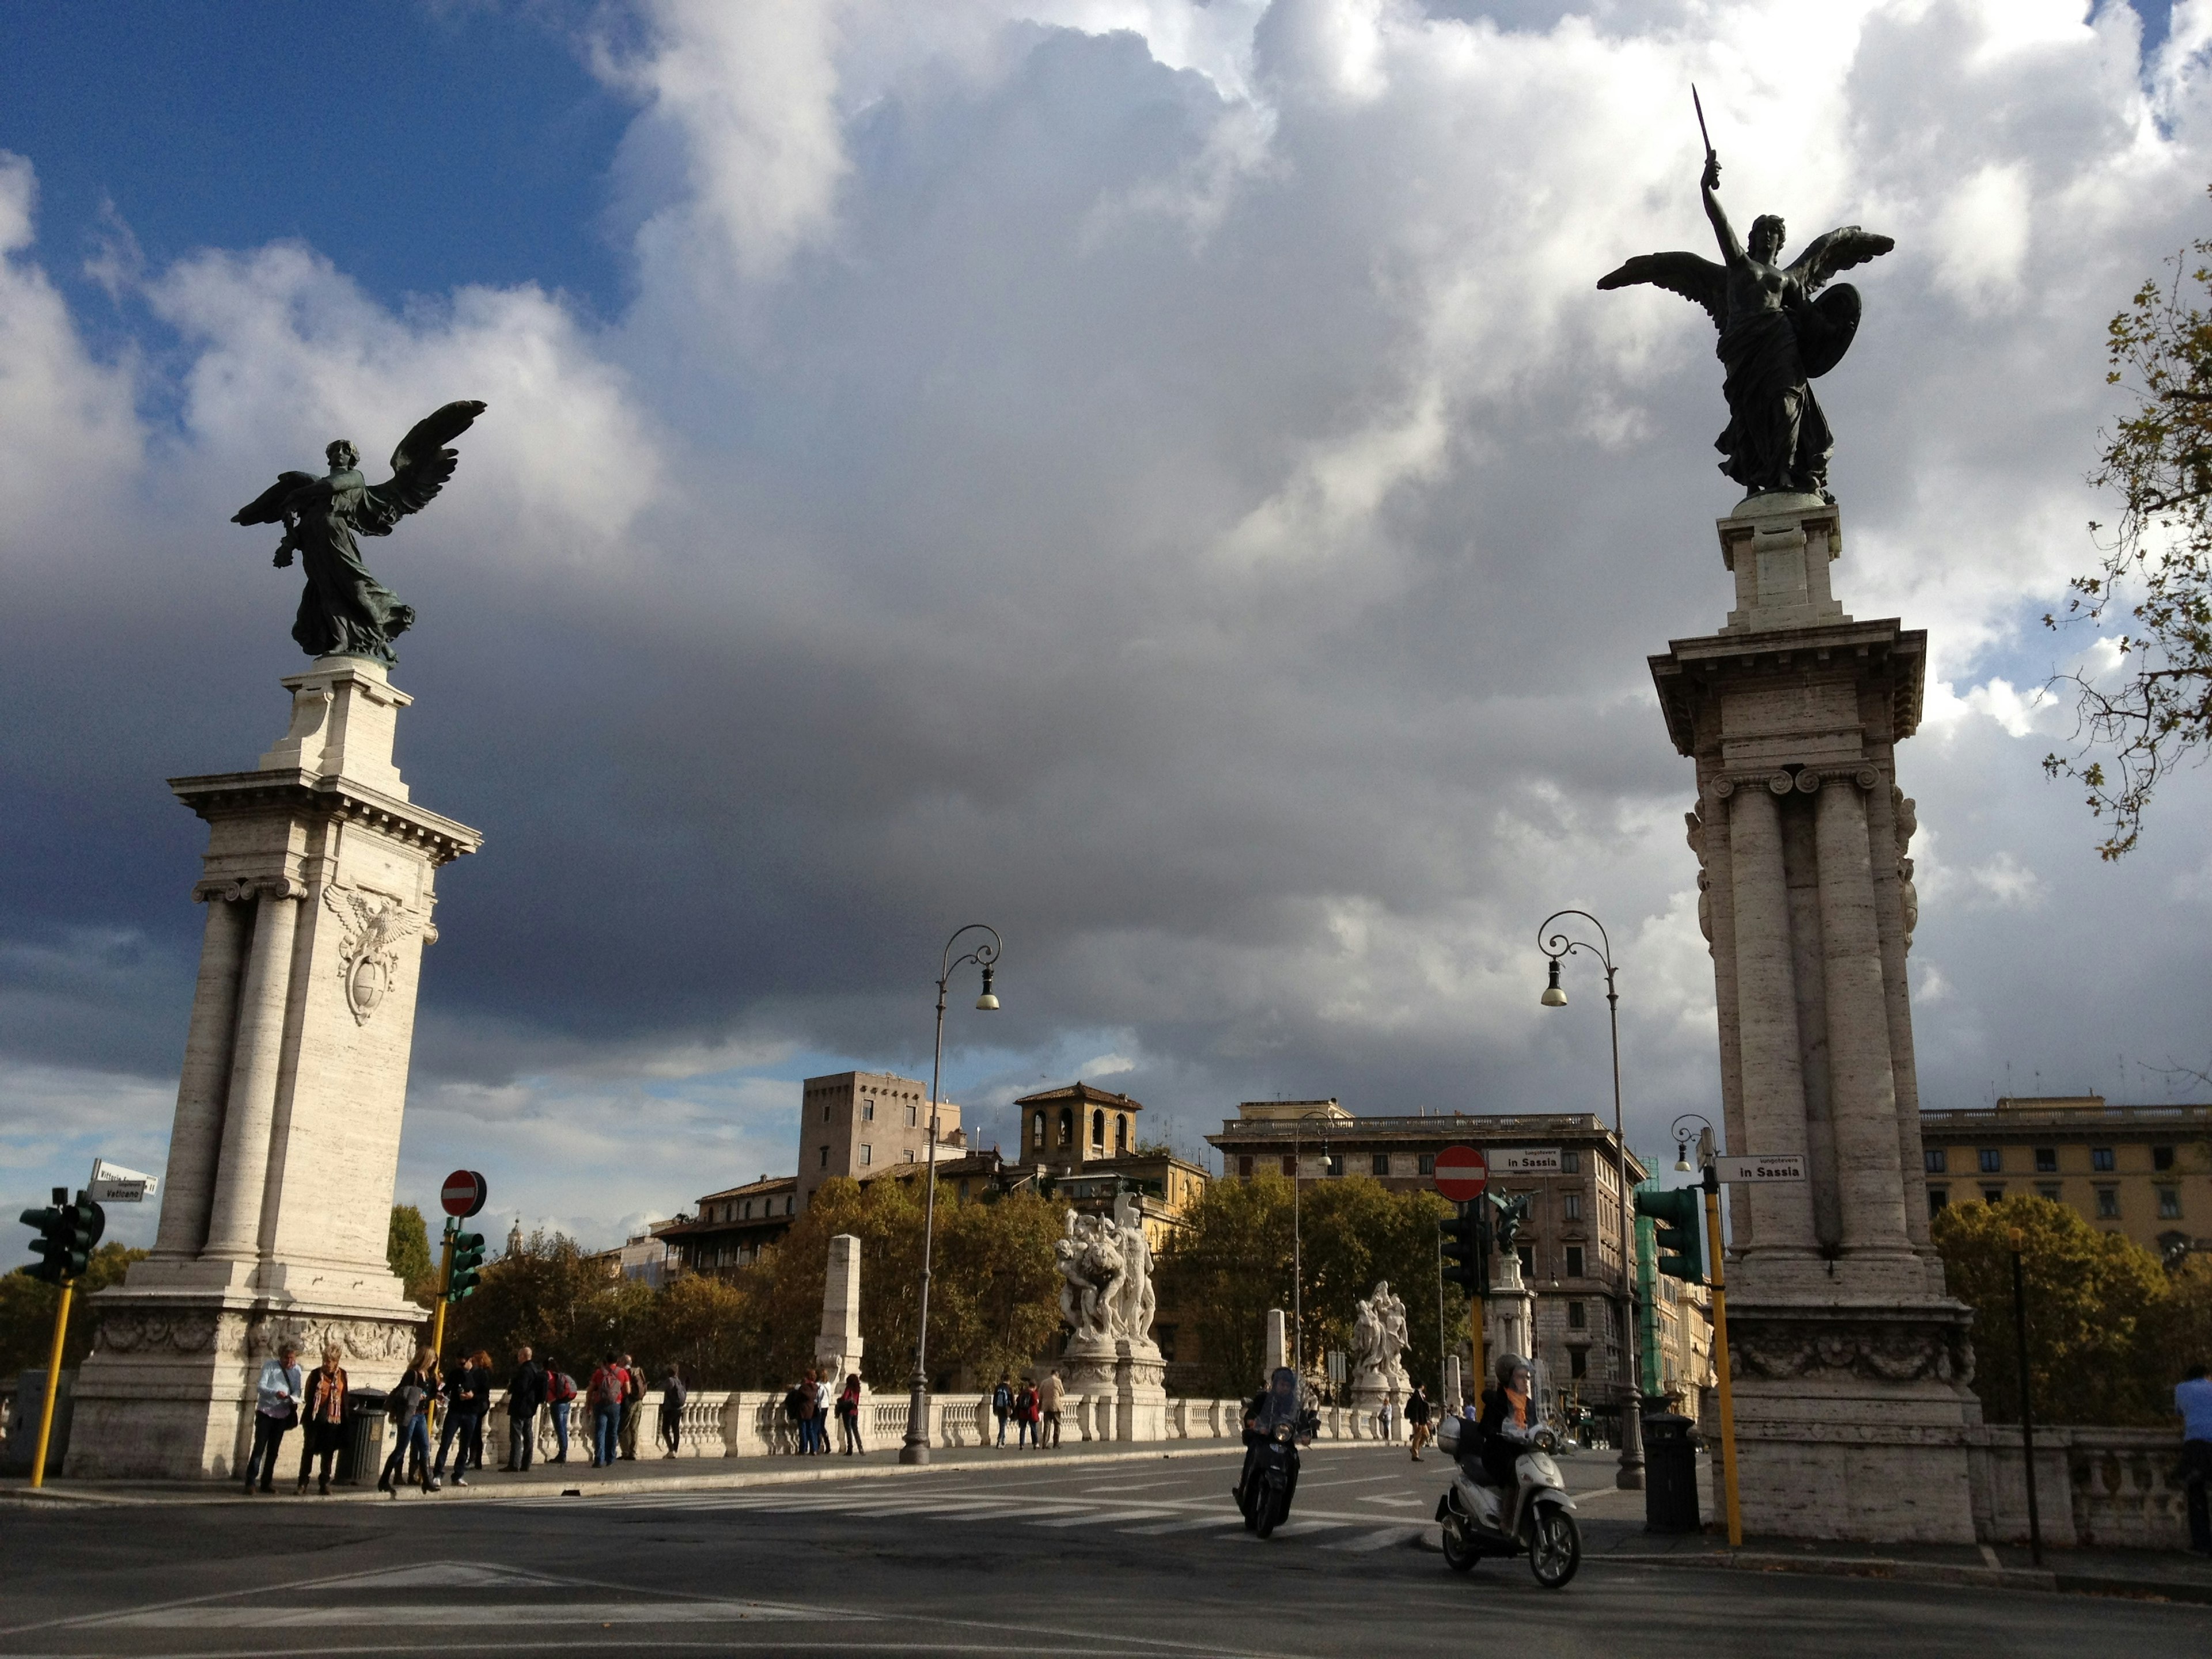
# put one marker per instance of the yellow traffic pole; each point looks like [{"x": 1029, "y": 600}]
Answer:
[
  {"x": 1720, "y": 1359},
  {"x": 53, "y": 1385},
  {"x": 445, "y": 1283}
]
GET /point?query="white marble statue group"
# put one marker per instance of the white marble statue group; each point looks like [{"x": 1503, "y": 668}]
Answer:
[
  {"x": 1379, "y": 1342},
  {"x": 1106, "y": 1276}
]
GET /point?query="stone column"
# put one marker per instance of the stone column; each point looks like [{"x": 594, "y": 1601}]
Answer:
[
  {"x": 1275, "y": 1350},
  {"x": 1862, "y": 1092},
  {"x": 235, "y": 1223},
  {"x": 837, "y": 1350},
  {"x": 1772, "y": 1063},
  {"x": 195, "y": 1138}
]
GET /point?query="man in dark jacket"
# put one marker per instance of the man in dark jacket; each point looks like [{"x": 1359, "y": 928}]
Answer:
[{"x": 526, "y": 1393}]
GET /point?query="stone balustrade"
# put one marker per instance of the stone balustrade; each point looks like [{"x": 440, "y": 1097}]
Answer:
[{"x": 2111, "y": 1487}]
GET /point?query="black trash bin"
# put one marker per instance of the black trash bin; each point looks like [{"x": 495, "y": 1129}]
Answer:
[
  {"x": 1670, "y": 1474},
  {"x": 361, "y": 1457}
]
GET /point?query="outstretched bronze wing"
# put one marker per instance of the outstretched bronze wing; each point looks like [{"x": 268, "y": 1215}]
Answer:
[
  {"x": 421, "y": 464},
  {"x": 1685, "y": 274},
  {"x": 1839, "y": 250},
  {"x": 268, "y": 507}
]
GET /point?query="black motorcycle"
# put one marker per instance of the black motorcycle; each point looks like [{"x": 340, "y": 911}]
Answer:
[{"x": 1264, "y": 1495}]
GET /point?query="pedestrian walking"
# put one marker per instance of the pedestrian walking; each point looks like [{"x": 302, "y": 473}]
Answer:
[
  {"x": 468, "y": 1397},
  {"x": 848, "y": 1415},
  {"x": 1048, "y": 1397},
  {"x": 409, "y": 1406},
  {"x": 1417, "y": 1419},
  {"x": 526, "y": 1392},
  {"x": 1025, "y": 1415},
  {"x": 322, "y": 1417},
  {"x": 671, "y": 1410},
  {"x": 2192, "y": 1399},
  {"x": 633, "y": 1405},
  {"x": 560, "y": 1400},
  {"x": 1002, "y": 1404},
  {"x": 275, "y": 1412},
  {"x": 604, "y": 1395},
  {"x": 814, "y": 1430}
]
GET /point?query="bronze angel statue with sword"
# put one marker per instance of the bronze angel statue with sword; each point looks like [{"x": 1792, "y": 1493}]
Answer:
[
  {"x": 345, "y": 612},
  {"x": 1779, "y": 333}
]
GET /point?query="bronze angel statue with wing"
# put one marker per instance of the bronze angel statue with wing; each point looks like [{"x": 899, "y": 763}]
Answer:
[
  {"x": 345, "y": 612},
  {"x": 1779, "y": 333}
]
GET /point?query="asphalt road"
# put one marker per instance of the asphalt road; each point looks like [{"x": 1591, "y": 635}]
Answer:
[{"x": 1144, "y": 1556}]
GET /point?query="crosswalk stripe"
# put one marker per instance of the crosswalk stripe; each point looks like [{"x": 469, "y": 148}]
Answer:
[
  {"x": 1102, "y": 1517},
  {"x": 1299, "y": 1528},
  {"x": 1188, "y": 1523},
  {"x": 1381, "y": 1539}
]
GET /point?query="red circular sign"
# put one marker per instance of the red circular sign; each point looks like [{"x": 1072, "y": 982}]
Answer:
[
  {"x": 465, "y": 1193},
  {"x": 1462, "y": 1173}
]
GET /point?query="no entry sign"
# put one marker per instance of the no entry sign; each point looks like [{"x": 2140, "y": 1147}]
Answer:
[
  {"x": 1462, "y": 1174},
  {"x": 464, "y": 1194}
]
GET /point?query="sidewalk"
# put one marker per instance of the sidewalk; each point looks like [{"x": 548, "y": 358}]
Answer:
[{"x": 648, "y": 1474}]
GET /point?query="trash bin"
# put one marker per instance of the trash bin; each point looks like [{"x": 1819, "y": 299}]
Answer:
[
  {"x": 361, "y": 1457},
  {"x": 1670, "y": 1474},
  {"x": 23, "y": 1414}
]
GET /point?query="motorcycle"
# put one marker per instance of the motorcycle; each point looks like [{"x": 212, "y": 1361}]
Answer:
[
  {"x": 1535, "y": 1518},
  {"x": 1264, "y": 1496}
]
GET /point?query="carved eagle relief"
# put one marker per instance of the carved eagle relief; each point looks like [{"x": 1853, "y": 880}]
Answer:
[{"x": 372, "y": 925}]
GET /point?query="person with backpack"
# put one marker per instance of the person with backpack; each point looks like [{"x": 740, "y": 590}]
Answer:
[
  {"x": 848, "y": 1415},
  {"x": 794, "y": 1406},
  {"x": 604, "y": 1394},
  {"x": 1050, "y": 1392},
  {"x": 1002, "y": 1404},
  {"x": 560, "y": 1400},
  {"x": 812, "y": 1439},
  {"x": 671, "y": 1410},
  {"x": 632, "y": 1406},
  {"x": 1025, "y": 1415},
  {"x": 408, "y": 1406}
]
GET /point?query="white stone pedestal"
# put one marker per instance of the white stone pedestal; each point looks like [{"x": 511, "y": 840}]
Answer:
[
  {"x": 1851, "y": 1362},
  {"x": 838, "y": 1348},
  {"x": 275, "y": 1209},
  {"x": 1140, "y": 1395}
]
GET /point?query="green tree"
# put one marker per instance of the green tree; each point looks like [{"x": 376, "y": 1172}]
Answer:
[
  {"x": 28, "y": 1307},
  {"x": 2154, "y": 567},
  {"x": 407, "y": 1252},
  {"x": 994, "y": 1291},
  {"x": 2097, "y": 1307},
  {"x": 554, "y": 1297}
]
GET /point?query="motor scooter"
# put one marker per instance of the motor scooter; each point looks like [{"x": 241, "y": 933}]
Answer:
[
  {"x": 1535, "y": 1518},
  {"x": 1264, "y": 1497}
]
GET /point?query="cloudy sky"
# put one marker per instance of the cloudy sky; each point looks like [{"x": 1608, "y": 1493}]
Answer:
[{"x": 1154, "y": 478}]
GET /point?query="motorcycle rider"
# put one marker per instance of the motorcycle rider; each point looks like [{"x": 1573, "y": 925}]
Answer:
[
  {"x": 1276, "y": 1403},
  {"x": 1508, "y": 1420}
]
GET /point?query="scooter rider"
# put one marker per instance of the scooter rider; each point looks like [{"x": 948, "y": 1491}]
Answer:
[
  {"x": 1277, "y": 1402},
  {"x": 1508, "y": 1420}
]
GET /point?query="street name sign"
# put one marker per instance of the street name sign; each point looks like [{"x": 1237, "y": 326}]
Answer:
[
  {"x": 1790, "y": 1167},
  {"x": 112, "y": 1183},
  {"x": 1525, "y": 1160},
  {"x": 464, "y": 1192},
  {"x": 1462, "y": 1173}
]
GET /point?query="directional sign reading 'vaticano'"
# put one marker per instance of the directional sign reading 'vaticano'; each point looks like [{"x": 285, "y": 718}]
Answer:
[{"x": 1790, "y": 1167}]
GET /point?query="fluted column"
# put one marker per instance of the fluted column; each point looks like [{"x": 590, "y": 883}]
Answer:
[
  {"x": 1767, "y": 1011},
  {"x": 1861, "y": 1086},
  {"x": 188, "y": 1185},
  {"x": 235, "y": 1224}
]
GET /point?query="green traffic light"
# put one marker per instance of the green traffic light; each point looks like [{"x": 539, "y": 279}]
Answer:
[
  {"x": 468, "y": 1261},
  {"x": 1679, "y": 1233}
]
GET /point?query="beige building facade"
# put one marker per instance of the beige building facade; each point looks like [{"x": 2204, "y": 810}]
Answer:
[{"x": 857, "y": 1124}]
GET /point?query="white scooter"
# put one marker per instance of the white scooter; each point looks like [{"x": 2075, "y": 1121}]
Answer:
[{"x": 1536, "y": 1518}]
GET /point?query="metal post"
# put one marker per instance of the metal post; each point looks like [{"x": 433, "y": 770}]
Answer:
[
  {"x": 1298, "y": 1259},
  {"x": 1444, "y": 1402},
  {"x": 915, "y": 1449},
  {"x": 1721, "y": 1356},
  {"x": 53, "y": 1384},
  {"x": 1631, "y": 1478},
  {"x": 2027, "y": 1404},
  {"x": 445, "y": 1283}
]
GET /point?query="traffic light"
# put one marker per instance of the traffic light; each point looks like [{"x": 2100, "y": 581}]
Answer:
[
  {"x": 468, "y": 1260},
  {"x": 67, "y": 1233},
  {"x": 1467, "y": 1248},
  {"x": 1679, "y": 1216}
]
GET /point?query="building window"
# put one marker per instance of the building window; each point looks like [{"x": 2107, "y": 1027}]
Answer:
[
  {"x": 2046, "y": 1160},
  {"x": 963, "y": 1190},
  {"x": 1427, "y": 1165},
  {"x": 1574, "y": 1203},
  {"x": 2161, "y": 1159},
  {"x": 1571, "y": 1161},
  {"x": 1380, "y": 1163},
  {"x": 1991, "y": 1159},
  {"x": 2108, "y": 1203},
  {"x": 2047, "y": 1189},
  {"x": 1333, "y": 1164},
  {"x": 1575, "y": 1261},
  {"x": 867, "y": 1111},
  {"x": 2169, "y": 1204},
  {"x": 1992, "y": 1194},
  {"x": 786, "y": 1210},
  {"x": 868, "y": 1156},
  {"x": 1577, "y": 1362},
  {"x": 1528, "y": 1254},
  {"x": 1290, "y": 1166},
  {"x": 1037, "y": 1130},
  {"x": 746, "y": 1211},
  {"x": 1937, "y": 1200},
  {"x": 825, "y": 1111},
  {"x": 1578, "y": 1316},
  {"x": 1934, "y": 1160},
  {"x": 1098, "y": 1129},
  {"x": 1244, "y": 1165},
  {"x": 1121, "y": 1133},
  {"x": 825, "y": 1157},
  {"x": 2101, "y": 1160}
]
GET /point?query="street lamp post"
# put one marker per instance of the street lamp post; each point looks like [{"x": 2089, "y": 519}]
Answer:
[
  {"x": 1297, "y": 1241},
  {"x": 915, "y": 1449},
  {"x": 1557, "y": 946}
]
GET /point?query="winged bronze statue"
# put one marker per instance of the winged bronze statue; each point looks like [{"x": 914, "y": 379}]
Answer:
[
  {"x": 345, "y": 612},
  {"x": 1779, "y": 333}
]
